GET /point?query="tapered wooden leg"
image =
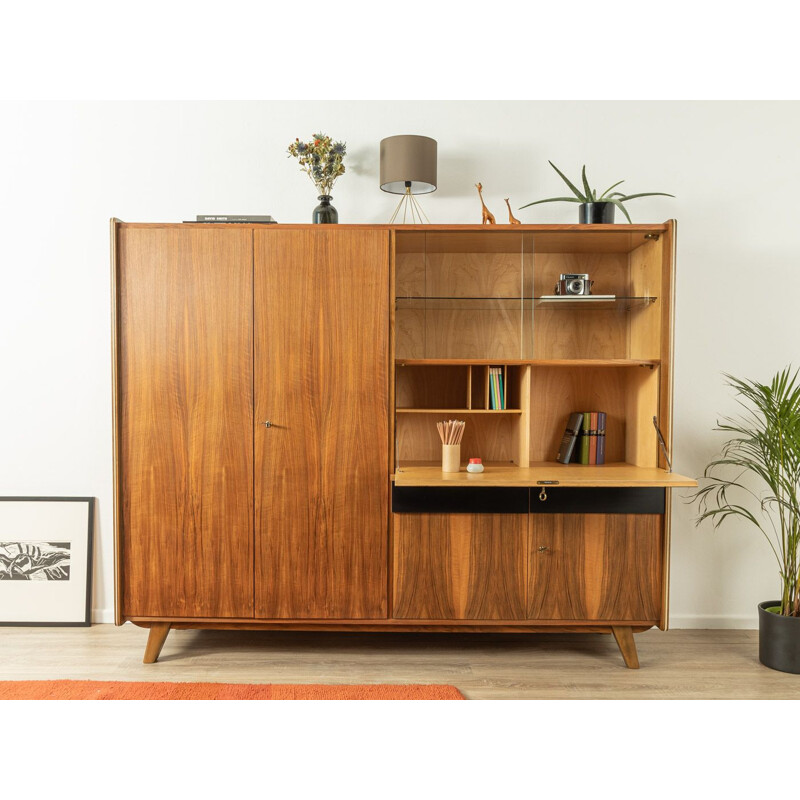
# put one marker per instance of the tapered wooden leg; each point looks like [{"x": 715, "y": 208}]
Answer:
[
  {"x": 155, "y": 641},
  {"x": 627, "y": 646}
]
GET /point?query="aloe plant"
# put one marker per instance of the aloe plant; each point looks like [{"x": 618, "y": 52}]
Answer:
[
  {"x": 590, "y": 195},
  {"x": 765, "y": 451}
]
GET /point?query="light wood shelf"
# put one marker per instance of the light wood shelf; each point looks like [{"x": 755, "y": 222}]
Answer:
[
  {"x": 538, "y": 362},
  {"x": 452, "y": 411},
  {"x": 616, "y": 474}
]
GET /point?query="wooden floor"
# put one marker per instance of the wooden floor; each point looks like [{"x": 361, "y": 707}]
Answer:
[{"x": 677, "y": 664}]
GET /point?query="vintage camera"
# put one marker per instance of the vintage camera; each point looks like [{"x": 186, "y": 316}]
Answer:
[{"x": 574, "y": 284}]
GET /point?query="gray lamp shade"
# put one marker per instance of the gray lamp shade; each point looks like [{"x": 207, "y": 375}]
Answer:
[{"x": 408, "y": 159}]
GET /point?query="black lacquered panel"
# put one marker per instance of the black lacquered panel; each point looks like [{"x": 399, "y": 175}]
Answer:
[
  {"x": 460, "y": 500},
  {"x": 598, "y": 500}
]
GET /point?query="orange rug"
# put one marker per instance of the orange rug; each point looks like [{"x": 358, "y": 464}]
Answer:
[{"x": 125, "y": 690}]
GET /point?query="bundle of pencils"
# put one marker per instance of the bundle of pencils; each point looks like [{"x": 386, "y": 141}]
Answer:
[{"x": 451, "y": 431}]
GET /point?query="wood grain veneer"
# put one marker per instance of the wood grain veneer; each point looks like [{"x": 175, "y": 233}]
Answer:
[
  {"x": 595, "y": 567},
  {"x": 321, "y": 378},
  {"x": 185, "y": 421},
  {"x": 459, "y": 566}
]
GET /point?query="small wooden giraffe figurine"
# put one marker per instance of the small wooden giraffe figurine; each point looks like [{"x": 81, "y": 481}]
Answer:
[
  {"x": 512, "y": 220},
  {"x": 488, "y": 217}
]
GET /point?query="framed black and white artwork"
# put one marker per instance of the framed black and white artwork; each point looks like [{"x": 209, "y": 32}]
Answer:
[{"x": 46, "y": 560}]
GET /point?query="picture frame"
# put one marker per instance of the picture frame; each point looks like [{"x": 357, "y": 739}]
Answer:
[{"x": 46, "y": 548}]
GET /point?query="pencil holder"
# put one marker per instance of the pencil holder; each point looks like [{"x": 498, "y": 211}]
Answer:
[{"x": 451, "y": 457}]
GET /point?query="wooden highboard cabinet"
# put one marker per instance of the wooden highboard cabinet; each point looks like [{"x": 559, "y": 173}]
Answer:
[{"x": 276, "y": 389}]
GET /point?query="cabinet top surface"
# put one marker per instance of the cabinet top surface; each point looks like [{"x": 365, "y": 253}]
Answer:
[{"x": 432, "y": 228}]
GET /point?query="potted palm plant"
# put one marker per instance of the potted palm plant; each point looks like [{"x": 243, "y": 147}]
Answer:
[
  {"x": 757, "y": 478},
  {"x": 594, "y": 208}
]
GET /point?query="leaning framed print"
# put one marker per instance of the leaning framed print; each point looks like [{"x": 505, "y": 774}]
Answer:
[{"x": 46, "y": 560}]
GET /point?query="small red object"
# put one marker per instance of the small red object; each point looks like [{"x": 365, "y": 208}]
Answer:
[{"x": 474, "y": 461}]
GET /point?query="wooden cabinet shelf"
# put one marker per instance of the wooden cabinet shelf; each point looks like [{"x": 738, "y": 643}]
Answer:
[{"x": 458, "y": 410}]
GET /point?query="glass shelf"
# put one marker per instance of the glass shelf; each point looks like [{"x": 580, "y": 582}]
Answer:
[
  {"x": 598, "y": 302},
  {"x": 561, "y": 302}
]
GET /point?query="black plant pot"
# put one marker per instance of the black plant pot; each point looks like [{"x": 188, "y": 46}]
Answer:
[
  {"x": 325, "y": 213},
  {"x": 778, "y": 639},
  {"x": 594, "y": 213}
]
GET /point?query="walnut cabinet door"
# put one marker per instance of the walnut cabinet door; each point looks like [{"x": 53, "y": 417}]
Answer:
[
  {"x": 459, "y": 566},
  {"x": 606, "y": 567},
  {"x": 185, "y": 421},
  {"x": 321, "y": 428}
]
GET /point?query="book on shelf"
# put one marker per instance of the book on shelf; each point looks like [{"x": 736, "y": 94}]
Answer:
[
  {"x": 496, "y": 402},
  {"x": 601, "y": 437},
  {"x": 590, "y": 445},
  {"x": 500, "y": 389},
  {"x": 260, "y": 218},
  {"x": 570, "y": 437}
]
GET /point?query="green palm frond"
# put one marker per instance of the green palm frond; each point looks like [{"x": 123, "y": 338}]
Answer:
[{"x": 764, "y": 452}]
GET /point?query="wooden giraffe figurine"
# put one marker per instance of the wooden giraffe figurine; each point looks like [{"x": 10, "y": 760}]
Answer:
[
  {"x": 488, "y": 217},
  {"x": 512, "y": 220}
]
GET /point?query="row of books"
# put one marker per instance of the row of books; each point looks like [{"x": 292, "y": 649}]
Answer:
[
  {"x": 584, "y": 440},
  {"x": 497, "y": 399}
]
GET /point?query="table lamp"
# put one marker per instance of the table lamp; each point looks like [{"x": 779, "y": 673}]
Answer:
[{"x": 408, "y": 167}]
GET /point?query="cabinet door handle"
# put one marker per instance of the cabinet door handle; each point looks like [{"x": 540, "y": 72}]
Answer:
[
  {"x": 543, "y": 548},
  {"x": 267, "y": 424}
]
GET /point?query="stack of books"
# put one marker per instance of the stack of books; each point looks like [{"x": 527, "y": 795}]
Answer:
[
  {"x": 584, "y": 440},
  {"x": 264, "y": 219},
  {"x": 497, "y": 400}
]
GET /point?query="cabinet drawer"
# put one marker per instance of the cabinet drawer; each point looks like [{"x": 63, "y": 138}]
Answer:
[
  {"x": 597, "y": 500},
  {"x": 460, "y": 500}
]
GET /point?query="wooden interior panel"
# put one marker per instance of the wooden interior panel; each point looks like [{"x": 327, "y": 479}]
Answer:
[
  {"x": 595, "y": 567},
  {"x": 409, "y": 274},
  {"x": 459, "y": 566},
  {"x": 438, "y": 386},
  {"x": 322, "y": 379},
  {"x": 186, "y": 421},
  {"x": 646, "y": 281},
  {"x": 641, "y": 441},
  {"x": 470, "y": 274},
  {"x": 488, "y": 435},
  {"x": 479, "y": 332},
  {"x": 409, "y": 330}
]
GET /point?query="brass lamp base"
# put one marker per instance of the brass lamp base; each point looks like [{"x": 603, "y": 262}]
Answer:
[{"x": 410, "y": 207}]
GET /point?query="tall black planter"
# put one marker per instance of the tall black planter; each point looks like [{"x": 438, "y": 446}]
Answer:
[
  {"x": 325, "y": 213},
  {"x": 778, "y": 639},
  {"x": 596, "y": 213}
]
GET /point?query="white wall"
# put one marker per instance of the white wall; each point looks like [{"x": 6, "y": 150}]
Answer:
[{"x": 66, "y": 168}]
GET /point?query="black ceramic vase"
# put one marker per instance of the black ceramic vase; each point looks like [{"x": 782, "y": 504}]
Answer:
[
  {"x": 594, "y": 213},
  {"x": 325, "y": 213},
  {"x": 778, "y": 639}
]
